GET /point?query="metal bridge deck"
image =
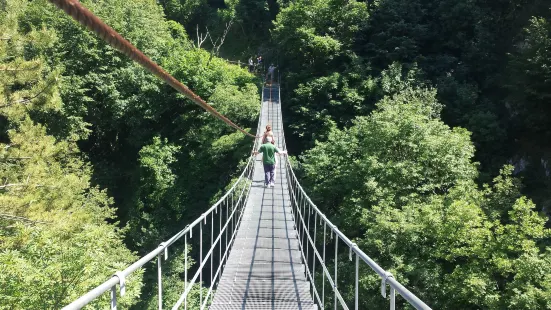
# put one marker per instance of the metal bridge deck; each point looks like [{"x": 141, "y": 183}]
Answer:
[{"x": 264, "y": 269}]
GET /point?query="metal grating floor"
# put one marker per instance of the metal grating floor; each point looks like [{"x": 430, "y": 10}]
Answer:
[{"x": 264, "y": 270}]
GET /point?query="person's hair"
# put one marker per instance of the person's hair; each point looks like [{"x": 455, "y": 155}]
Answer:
[
  {"x": 268, "y": 127},
  {"x": 269, "y": 138}
]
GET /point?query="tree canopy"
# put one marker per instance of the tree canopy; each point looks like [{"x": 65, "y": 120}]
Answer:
[
  {"x": 403, "y": 183},
  {"x": 97, "y": 154},
  {"x": 420, "y": 128}
]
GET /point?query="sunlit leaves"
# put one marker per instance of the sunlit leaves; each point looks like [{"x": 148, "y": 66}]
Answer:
[{"x": 403, "y": 183}]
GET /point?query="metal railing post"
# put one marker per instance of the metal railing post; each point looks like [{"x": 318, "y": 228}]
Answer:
[
  {"x": 220, "y": 242},
  {"x": 211, "y": 243},
  {"x": 314, "y": 246},
  {"x": 227, "y": 221},
  {"x": 392, "y": 299},
  {"x": 200, "y": 262},
  {"x": 356, "y": 292},
  {"x": 160, "y": 281},
  {"x": 114, "y": 297},
  {"x": 308, "y": 229},
  {"x": 185, "y": 267},
  {"x": 232, "y": 217},
  {"x": 323, "y": 273},
  {"x": 336, "y": 273}
]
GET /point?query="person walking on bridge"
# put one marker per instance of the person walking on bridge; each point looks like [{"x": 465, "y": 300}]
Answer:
[
  {"x": 267, "y": 133},
  {"x": 259, "y": 64},
  {"x": 251, "y": 65},
  {"x": 268, "y": 151},
  {"x": 270, "y": 74}
]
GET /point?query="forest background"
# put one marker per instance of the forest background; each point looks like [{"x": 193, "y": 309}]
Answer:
[{"x": 420, "y": 128}]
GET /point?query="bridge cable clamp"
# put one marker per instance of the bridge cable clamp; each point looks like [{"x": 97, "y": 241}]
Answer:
[
  {"x": 165, "y": 246},
  {"x": 334, "y": 230},
  {"x": 383, "y": 283},
  {"x": 354, "y": 245},
  {"x": 122, "y": 282},
  {"x": 190, "y": 231}
]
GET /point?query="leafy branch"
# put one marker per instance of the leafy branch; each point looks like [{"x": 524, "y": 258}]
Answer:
[
  {"x": 27, "y": 100},
  {"x": 20, "y": 219}
]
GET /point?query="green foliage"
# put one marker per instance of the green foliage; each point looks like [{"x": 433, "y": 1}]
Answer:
[
  {"x": 329, "y": 84},
  {"x": 47, "y": 266},
  {"x": 462, "y": 48},
  {"x": 155, "y": 171},
  {"x": 173, "y": 271},
  {"x": 400, "y": 153},
  {"x": 244, "y": 24},
  {"x": 530, "y": 69},
  {"x": 148, "y": 147},
  {"x": 237, "y": 104},
  {"x": 125, "y": 108},
  {"x": 449, "y": 246},
  {"x": 365, "y": 85},
  {"x": 55, "y": 241},
  {"x": 402, "y": 183},
  {"x": 311, "y": 33}
]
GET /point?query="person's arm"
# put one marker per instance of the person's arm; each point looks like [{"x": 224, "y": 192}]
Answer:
[
  {"x": 258, "y": 152},
  {"x": 281, "y": 152}
]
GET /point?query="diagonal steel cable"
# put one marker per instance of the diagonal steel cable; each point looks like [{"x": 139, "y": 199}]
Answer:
[{"x": 86, "y": 18}]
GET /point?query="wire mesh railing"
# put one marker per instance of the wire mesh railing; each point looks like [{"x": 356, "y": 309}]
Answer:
[
  {"x": 221, "y": 220},
  {"x": 308, "y": 218},
  {"x": 312, "y": 224}
]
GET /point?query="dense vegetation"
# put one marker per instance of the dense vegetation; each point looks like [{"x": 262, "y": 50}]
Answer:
[
  {"x": 100, "y": 160},
  {"x": 374, "y": 89},
  {"x": 421, "y": 128}
]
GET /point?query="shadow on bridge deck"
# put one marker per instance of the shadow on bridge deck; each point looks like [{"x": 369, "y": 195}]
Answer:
[{"x": 264, "y": 269}]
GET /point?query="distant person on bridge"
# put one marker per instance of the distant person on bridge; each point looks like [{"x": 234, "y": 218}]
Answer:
[
  {"x": 270, "y": 73},
  {"x": 268, "y": 151},
  {"x": 267, "y": 133},
  {"x": 251, "y": 65},
  {"x": 259, "y": 63},
  {"x": 259, "y": 60}
]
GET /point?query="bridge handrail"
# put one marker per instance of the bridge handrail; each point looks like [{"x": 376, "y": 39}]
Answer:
[
  {"x": 107, "y": 285},
  {"x": 120, "y": 276},
  {"x": 386, "y": 277}
]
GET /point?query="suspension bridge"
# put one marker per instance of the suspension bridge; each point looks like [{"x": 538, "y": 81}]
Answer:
[{"x": 260, "y": 247}]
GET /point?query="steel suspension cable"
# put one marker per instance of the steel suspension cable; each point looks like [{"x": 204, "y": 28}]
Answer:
[{"x": 86, "y": 18}]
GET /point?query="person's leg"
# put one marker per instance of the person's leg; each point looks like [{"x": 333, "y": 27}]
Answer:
[
  {"x": 266, "y": 174},
  {"x": 272, "y": 174}
]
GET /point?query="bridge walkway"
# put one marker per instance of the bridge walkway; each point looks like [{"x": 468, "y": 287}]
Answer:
[{"x": 264, "y": 270}]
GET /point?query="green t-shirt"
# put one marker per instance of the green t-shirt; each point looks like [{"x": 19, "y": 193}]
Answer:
[{"x": 268, "y": 151}]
